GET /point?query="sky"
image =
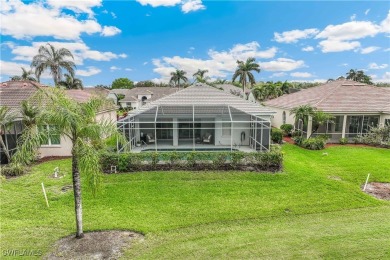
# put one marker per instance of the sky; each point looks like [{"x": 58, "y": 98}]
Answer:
[{"x": 148, "y": 39}]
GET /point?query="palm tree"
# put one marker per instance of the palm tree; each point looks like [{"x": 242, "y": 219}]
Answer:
[
  {"x": 55, "y": 60},
  {"x": 7, "y": 117},
  {"x": 320, "y": 118},
  {"x": 178, "y": 75},
  {"x": 71, "y": 82},
  {"x": 26, "y": 75},
  {"x": 199, "y": 75},
  {"x": 76, "y": 121},
  {"x": 302, "y": 113},
  {"x": 243, "y": 72}
]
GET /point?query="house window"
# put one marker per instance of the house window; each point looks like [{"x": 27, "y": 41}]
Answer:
[
  {"x": 51, "y": 135},
  {"x": 387, "y": 122},
  {"x": 284, "y": 117},
  {"x": 226, "y": 129}
]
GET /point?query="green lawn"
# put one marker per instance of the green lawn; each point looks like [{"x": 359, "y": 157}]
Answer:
[{"x": 314, "y": 209}]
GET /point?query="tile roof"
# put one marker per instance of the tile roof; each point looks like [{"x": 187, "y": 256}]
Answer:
[
  {"x": 338, "y": 96},
  {"x": 156, "y": 92},
  {"x": 204, "y": 95}
]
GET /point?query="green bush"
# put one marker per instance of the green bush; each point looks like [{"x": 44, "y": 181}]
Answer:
[
  {"x": 298, "y": 140},
  {"x": 276, "y": 135},
  {"x": 314, "y": 143},
  {"x": 287, "y": 129},
  {"x": 343, "y": 140},
  {"x": 12, "y": 170},
  {"x": 147, "y": 161},
  {"x": 296, "y": 133}
]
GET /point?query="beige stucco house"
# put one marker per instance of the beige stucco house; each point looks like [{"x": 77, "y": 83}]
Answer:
[
  {"x": 13, "y": 93},
  {"x": 355, "y": 106}
]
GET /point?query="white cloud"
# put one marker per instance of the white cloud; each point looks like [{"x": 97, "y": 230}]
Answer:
[
  {"x": 338, "y": 46},
  {"x": 295, "y": 35},
  {"x": 349, "y": 31},
  {"x": 88, "y": 72},
  {"x": 110, "y": 31},
  {"x": 145, "y": 63},
  {"x": 353, "y": 17},
  {"x": 385, "y": 78},
  {"x": 369, "y": 49},
  {"x": 308, "y": 48},
  {"x": 12, "y": 68},
  {"x": 219, "y": 63},
  {"x": 113, "y": 15},
  {"x": 156, "y": 3},
  {"x": 385, "y": 24},
  {"x": 282, "y": 64},
  {"x": 278, "y": 74},
  {"x": 374, "y": 66},
  {"x": 79, "y": 49},
  {"x": 344, "y": 64},
  {"x": 128, "y": 69},
  {"x": 27, "y": 20},
  {"x": 186, "y": 5},
  {"x": 367, "y": 11},
  {"x": 192, "y": 6},
  {"x": 301, "y": 75},
  {"x": 386, "y": 50},
  {"x": 113, "y": 68},
  {"x": 83, "y": 6}
]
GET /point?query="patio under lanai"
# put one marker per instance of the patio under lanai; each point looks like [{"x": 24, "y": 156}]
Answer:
[{"x": 199, "y": 118}]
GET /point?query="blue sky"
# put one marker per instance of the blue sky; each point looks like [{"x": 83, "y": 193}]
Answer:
[{"x": 147, "y": 39}]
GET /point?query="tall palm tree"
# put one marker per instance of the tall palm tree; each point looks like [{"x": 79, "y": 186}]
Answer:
[
  {"x": 359, "y": 76},
  {"x": 26, "y": 75},
  {"x": 76, "y": 121},
  {"x": 200, "y": 75},
  {"x": 7, "y": 118},
  {"x": 177, "y": 76},
  {"x": 244, "y": 72},
  {"x": 71, "y": 82},
  {"x": 54, "y": 60}
]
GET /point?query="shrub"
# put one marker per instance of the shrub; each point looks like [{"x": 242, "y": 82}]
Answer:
[
  {"x": 287, "y": 129},
  {"x": 146, "y": 161},
  {"x": 276, "y": 135},
  {"x": 343, "y": 140},
  {"x": 296, "y": 133},
  {"x": 298, "y": 140},
  {"x": 314, "y": 143},
  {"x": 12, "y": 170}
]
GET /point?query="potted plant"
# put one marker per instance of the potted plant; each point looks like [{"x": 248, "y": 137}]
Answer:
[{"x": 138, "y": 144}]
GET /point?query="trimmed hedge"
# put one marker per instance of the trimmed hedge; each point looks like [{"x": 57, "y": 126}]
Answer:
[
  {"x": 287, "y": 129},
  {"x": 276, "y": 135},
  {"x": 151, "y": 161},
  {"x": 312, "y": 143}
]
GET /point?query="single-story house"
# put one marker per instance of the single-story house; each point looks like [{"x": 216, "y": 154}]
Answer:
[
  {"x": 137, "y": 97},
  {"x": 200, "y": 117},
  {"x": 355, "y": 106},
  {"x": 13, "y": 93}
]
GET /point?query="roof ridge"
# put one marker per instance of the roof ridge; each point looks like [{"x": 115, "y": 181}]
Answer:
[{"x": 328, "y": 95}]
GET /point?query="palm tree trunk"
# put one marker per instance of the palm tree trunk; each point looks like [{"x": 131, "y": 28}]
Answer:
[
  {"x": 77, "y": 196},
  {"x": 5, "y": 149}
]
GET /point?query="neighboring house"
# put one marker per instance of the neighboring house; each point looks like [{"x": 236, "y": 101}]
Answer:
[
  {"x": 13, "y": 93},
  {"x": 137, "y": 97},
  {"x": 355, "y": 106},
  {"x": 229, "y": 88},
  {"x": 199, "y": 117}
]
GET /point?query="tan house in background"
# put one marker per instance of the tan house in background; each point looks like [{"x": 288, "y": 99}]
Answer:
[
  {"x": 13, "y": 93},
  {"x": 355, "y": 106}
]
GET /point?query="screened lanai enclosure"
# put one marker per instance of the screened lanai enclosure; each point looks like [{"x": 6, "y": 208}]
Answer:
[{"x": 195, "y": 127}]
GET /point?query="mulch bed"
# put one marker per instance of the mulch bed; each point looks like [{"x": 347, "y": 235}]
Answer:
[
  {"x": 94, "y": 245},
  {"x": 291, "y": 141},
  {"x": 379, "y": 190},
  {"x": 52, "y": 158}
]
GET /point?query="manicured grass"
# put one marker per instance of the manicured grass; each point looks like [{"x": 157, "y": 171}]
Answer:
[{"x": 314, "y": 209}]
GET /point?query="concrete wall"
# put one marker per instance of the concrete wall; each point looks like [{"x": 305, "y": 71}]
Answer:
[
  {"x": 65, "y": 147},
  {"x": 382, "y": 119}
]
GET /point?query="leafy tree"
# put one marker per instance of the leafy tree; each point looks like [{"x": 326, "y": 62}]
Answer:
[
  {"x": 285, "y": 87},
  {"x": 200, "y": 75},
  {"x": 7, "y": 118},
  {"x": 103, "y": 86},
  {"x": 77, "y": 121},
  {"x": 26, "y": 75},
  {"x": 268, "y": 90},
  {"x": 244, "y": 72},
  {"x": 71, "y": 82},
  {"x": 54, "y": 60},
  {"x": 359, "y": 76},
  {"x": 220, "y": 81},
  {"x": 122, "y": 83},
  {"x": 177, "y": 76},
  {"x": 320, "y": 118}
]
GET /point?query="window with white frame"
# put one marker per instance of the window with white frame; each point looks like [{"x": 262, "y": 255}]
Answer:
[
  {"x": 51, "y": 135},
  {"x": 226, "y": 129},
  {"x": 387, "y": 122}
]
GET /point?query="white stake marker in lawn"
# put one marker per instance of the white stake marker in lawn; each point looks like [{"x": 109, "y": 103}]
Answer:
[
  {"x": 365, "y": 185},
  {"x": 44, "y": 193}
]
